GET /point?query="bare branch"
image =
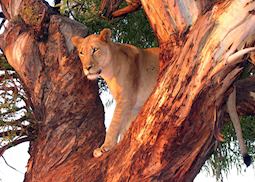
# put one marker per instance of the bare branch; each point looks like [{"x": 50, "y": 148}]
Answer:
[
  {"x": 134, "y": 6},
  {"x": 14, "y": 143},
  {"x": 11, "y": 166},
  {"x": 17, "y": 132},
  {"x": 17, "y": 122},
  {"x": 12, "y": 111}
]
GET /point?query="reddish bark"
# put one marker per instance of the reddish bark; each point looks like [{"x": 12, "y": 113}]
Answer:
[{"x": 110, "y": 8}]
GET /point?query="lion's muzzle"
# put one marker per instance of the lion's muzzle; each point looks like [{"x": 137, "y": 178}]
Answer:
[{"x": 92, "y": 75}]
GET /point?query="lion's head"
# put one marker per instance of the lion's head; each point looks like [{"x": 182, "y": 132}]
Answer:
[{"x": 94, "y": 52}]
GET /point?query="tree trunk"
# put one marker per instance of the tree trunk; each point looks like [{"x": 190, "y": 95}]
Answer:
[{"x": 201, "y": 44}]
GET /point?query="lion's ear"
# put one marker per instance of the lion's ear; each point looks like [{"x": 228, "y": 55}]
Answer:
[
  {"x": 76, "y": 40},
  {"x": 105, "y": 35}
]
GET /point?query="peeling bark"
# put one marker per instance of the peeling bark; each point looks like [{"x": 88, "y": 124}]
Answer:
[{"x": 174, "y": 133}]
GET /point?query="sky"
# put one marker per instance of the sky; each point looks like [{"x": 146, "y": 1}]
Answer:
[{"x": 18, "y": 156}]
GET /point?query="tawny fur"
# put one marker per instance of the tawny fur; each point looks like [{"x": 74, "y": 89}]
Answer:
[{"x": 130, "y": 73}]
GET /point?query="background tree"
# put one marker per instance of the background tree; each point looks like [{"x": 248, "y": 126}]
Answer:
[
  {"x": 196, "y": 70},
  {"x": 17, "y": 124}
]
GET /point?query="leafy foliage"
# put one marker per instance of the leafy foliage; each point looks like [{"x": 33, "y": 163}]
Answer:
[
  {"x": 16, "y": 119},
  {"x": 249, "y": 69},
  {"x": 132, "y": 29},
  {"x": 4, "y": 65}
]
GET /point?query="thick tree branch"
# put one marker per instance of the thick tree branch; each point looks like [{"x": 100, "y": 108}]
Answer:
[
  {"x": 176, "y": 18},
  {"x": 131, "y": 7},
  {"x": 110, "y": 8}
]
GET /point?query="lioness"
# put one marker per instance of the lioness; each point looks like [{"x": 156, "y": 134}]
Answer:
[{"x": 130, "y": 73}]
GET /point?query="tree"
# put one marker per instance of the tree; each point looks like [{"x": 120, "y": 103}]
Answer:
[{"x": 202, "y": 44}]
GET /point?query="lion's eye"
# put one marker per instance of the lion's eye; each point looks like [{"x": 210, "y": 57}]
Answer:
[
  {"x": 81, "y": 53},
  {"x": 94, "y": 49}
]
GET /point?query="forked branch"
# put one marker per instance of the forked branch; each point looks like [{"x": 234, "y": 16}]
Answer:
[{"x": 14, "y": 143}]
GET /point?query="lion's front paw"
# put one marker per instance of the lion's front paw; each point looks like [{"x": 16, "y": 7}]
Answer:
[{"x": 99, "y": 151}]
